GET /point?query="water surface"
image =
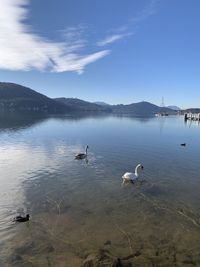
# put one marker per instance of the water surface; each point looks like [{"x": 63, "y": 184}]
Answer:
[{"x": 78, "y": 208}]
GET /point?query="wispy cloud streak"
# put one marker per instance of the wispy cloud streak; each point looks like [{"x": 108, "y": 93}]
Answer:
[
  {"x": 113, "y": 38},
  {"x": 21, "y": 49},
  {"x": 131, "y": 28},
  {"x": 148, "y": 11}
]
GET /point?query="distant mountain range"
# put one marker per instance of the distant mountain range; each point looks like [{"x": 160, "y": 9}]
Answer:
[
  {"x": 101, "y": 103},
  {"x": 17, "y": 98},
  {"x": 174, "y": 107},
  {"x": 79, "y": 105},
  {"x": 140, "y": 109},
  {"x": 191, "y": 110}
]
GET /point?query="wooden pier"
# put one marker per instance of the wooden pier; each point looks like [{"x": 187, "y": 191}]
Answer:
[{"x": 192, "y": 116}]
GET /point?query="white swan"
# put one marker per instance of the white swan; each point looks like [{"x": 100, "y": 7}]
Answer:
[
  {"x": 130, "y": 176},
  {"x": 82, "y": 155}
]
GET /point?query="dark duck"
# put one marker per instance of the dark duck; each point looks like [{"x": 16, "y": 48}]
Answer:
[
  {"x": 22, "y": 218},
  {"x": 183, "y": 144}
]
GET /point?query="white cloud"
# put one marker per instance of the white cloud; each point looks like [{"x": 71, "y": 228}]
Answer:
[
  {"x": 21, "y": 49},
  {"x": 75, "y": 63},
  {"x": 111, "y": 39}
]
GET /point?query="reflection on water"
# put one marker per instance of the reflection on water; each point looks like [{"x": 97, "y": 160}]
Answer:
[
  {"x": 14, "y": 122},
  {"x": 81, "y": 214}
]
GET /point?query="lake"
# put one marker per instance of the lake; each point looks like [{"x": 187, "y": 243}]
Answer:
[{"x": 80, "y": 212}]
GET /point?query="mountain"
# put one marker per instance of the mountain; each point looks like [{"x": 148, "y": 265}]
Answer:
[
  {"x": 18, "y": 98},
  {"x": 14, "y": 97},
  {"x": 191, "y": 110},
  {"x": 79, "y": 105},
  {"x": 101, "y": 103},
  {"x": 137, "y": 109},
  {"x": 140, "y": 109},
  {"x": 174, "y": 107}
]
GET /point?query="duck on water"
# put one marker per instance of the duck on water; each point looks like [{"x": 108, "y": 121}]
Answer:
[
  {"x": 82, "y": 155},
  {"x": 22, "y": 218}
]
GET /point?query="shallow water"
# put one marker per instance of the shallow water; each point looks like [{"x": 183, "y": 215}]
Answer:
[{"x": 78, "y": 208}]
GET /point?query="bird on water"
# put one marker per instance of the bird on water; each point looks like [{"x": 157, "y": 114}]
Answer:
[
  {"x": 183, "y": 144},
  {"x": 82, "y": 155},
  {"x": 130, "y": 176},
  {"x": 22, "y": 218}
]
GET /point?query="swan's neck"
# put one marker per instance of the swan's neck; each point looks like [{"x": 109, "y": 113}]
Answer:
[
  {"x": 136, "y": 170},
  {"x": 86, "y": 150}
]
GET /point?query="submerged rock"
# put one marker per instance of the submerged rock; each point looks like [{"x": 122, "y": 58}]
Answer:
[
  {"x": 108, "y": 242},
  {"x": 103, "y": 258}
]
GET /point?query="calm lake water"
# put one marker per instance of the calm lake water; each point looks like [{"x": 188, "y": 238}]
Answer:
[{"x": 79, "y": 208}]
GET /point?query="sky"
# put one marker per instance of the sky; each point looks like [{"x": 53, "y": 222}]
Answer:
[{"x": 117, "y": 51}]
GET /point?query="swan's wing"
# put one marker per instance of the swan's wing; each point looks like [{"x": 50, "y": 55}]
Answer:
[
  {"x": 80, "y": 156},
  {"x": 129, "y": 176}
]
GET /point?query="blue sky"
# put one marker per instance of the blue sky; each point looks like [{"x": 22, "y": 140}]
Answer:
[{"x": 117, "y": 51}]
